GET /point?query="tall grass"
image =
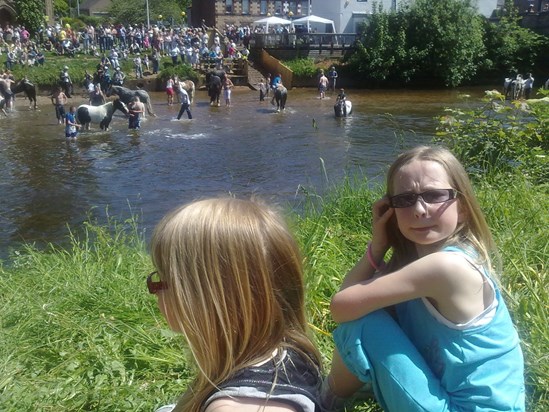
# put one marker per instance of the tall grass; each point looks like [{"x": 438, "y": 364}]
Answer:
[{"x": 78, "y": 330}]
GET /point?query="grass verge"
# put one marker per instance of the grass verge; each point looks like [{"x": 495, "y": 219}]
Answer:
[{"x": 79, "y": 332}]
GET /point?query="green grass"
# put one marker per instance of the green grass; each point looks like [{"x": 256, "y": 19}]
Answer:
[{"x": 78, "y": 330}]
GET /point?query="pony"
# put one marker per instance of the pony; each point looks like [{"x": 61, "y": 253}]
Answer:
[
  {"x": 188, "y": 86},
  {"x": 86, "y": 114},
  {"x": 280, "y": 94},
  {"x": 214, "y": 84},
  {"x": 27, "y": 87},
  {"x": 343, "y": 108},
  {"x": 126, "y": 95}
]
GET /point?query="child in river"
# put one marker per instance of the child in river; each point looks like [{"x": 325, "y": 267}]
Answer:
[
  {"x": 229, "y": 277},
  {"x": 452, "y": 345}
]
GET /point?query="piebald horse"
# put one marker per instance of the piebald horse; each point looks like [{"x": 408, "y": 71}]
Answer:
[
  {"x": 86, "y": 114},
  {"x": 126, "y": 95},
  {"x": 27, "y": 87}
]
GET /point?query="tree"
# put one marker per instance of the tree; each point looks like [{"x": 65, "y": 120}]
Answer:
[
  {"x": 123, "y": 11},
  {"x": 439, "y": 41},
  {"x": 510, "y": 48},
  {"x": 30, "y": 13}
]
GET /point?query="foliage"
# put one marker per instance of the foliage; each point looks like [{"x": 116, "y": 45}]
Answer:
[
  {"x": 61, "y": 8},
  {"x": 511, "y": 49},
  {"x": 79, "y": 331},
  {"x": 302, "y": 67},
  {"x": 500, "y": 137},
  {"x": 437, "y": 41},
  {"x": 122, "y": 11},
  {"x": 182, "y": 71},
  {"x": 30, "y": 13}
]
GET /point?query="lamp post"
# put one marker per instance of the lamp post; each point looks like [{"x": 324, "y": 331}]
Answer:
[
  {"x": 183, "y": 14},
  {"x": 148, "y": 14}
]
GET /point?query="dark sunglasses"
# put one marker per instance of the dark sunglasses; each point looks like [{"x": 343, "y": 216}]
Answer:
[
  {"x": 429, "y": 196},
  {"x": 155, "y": 286}
]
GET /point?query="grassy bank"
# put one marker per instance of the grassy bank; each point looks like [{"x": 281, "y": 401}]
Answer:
[{"x": 78, "y": 330}]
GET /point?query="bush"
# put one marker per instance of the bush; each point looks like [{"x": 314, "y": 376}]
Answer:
[
  {"x": 182, "y": 71},
  {"x": 302, "y": 67},
  {"x": 500, "y": 137}
]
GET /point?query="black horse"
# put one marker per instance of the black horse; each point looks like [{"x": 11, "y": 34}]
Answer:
[
  {"x": 280, "y": 94},
  {"x": 25, "y": 86},
  {"x": 126, "y": 95},
  {"x": 214, "y": 84}
]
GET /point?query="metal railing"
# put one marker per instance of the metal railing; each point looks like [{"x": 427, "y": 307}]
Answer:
[{"x": 303, "y": 40}]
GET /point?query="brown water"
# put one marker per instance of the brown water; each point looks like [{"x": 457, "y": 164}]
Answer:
[{"x": 48, "y": 185}]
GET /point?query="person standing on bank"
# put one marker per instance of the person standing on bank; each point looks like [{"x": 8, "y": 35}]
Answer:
[
  {"x": 229, "y": 277},
  {"x": 65, "y": 81},
  {"x": 332, "y": 77},
  {"x": 185, "y": 103},
  {"x": 452, "y": 345}
]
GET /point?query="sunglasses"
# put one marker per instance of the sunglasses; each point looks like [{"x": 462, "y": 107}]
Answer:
[
  {"x": 155, "y": 286},
  {"x": 429, "y": 196}
]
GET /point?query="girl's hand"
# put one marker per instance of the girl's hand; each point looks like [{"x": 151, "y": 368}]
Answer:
[{"x": 381, "y": 213}]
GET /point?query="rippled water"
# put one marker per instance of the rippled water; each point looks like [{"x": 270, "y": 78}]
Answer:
[{"x": 48, "y": 185}]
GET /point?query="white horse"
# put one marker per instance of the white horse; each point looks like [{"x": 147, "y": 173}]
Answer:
[
  {"x": 188, "y": 86},
  {"x": 86, "y": 114}
]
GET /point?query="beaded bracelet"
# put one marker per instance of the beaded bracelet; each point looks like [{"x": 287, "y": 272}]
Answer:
[{"x": 371, "y": 260}]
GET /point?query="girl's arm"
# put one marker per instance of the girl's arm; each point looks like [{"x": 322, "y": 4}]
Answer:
[{"x": 453, "y": 286}]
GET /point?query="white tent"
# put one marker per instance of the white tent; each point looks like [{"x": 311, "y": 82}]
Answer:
[
  {"x": 312, "y": 19},
  {"x": 272, "y": 21}
]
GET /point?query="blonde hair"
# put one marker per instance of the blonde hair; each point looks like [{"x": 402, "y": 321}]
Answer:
[
  {"x": 472, "y": 231},
  {"x": 234, "y": 285}
]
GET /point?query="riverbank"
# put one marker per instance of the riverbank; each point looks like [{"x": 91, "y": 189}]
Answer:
[{"x": 81, "y": 333}]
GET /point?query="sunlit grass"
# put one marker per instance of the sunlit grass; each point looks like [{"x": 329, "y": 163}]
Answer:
[{"x": 78, "y": 330}]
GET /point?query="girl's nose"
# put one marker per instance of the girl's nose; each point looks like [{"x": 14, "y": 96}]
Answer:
[{"x": 420, "y": 207}]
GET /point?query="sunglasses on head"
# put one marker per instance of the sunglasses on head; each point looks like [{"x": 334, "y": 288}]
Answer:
[
  {"x": 155, "y": 286},
  {"x": 429, "y": 196}
]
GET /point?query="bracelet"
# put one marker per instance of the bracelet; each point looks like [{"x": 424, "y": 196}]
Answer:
[{"x": 371, "y": 260}]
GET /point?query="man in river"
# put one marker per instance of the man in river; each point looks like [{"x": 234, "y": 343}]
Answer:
[
  {"x": 184, "y": 98},
  {"x": 136, "y": 109},
  {"x": 5, "y": 90}
]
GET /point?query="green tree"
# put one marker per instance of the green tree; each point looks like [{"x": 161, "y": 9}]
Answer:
[
  {"x": 30, "y": 13},
  {"x": 439, "y": 41},
  {"x": 126, "y": 12},
  {"x": 510, "y": 47}
]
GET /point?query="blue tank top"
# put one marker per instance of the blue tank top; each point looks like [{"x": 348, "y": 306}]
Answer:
[{"x": 481, "y": 367}]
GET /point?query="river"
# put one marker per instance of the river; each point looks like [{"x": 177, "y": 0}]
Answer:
[{"x": 49, "y": 186}]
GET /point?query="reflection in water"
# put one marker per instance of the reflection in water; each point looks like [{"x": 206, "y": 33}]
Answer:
[{"x": 49, "y": 185}]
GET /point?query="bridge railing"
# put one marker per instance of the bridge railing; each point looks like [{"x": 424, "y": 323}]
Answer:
[{"x": 303, "y": 40}]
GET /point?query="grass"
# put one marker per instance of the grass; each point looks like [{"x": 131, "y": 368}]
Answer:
[{"x": 79, "y": 332}]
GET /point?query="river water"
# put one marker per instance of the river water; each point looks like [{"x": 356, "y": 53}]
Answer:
[{"x": 48, "y": 186}]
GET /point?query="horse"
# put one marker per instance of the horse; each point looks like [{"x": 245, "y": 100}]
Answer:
[
  {"x": 86, "y": 114},
  {"x": 126, "y": 95},
  {"x": 25, "y": 86},
  {"x": 214, "y": 84},
  {"x": 343, "y": 108},
  {"x": 188, "y": 86},
  {"x": 2, "y": 105},
  {"x": 280, "y": 95}
]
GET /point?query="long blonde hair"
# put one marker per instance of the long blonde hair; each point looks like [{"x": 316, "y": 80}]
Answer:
[
  {"x": 234, "y": 285},
  {"x": 472, "y": 232}
]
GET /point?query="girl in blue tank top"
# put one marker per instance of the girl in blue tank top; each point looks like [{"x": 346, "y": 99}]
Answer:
[{"x": 449, "y": 344}]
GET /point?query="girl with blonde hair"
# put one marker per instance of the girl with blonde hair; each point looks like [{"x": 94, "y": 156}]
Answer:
[
  {"x": 451, "y": 345},
  {"x": 230, "y": 279}
]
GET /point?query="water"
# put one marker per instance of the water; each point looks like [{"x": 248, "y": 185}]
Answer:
[{"x": 48, "y": 185}]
